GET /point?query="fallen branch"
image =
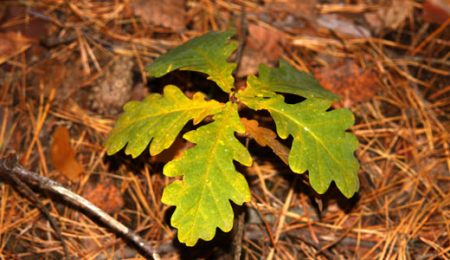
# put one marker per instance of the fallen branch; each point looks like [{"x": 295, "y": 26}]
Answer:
[
  {"x": 27, "y": 192},
  {"x": 13, "y": 170}
]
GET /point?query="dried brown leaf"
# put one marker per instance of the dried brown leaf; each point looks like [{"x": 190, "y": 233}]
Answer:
[
  {"x": 266, "y": 40},
  {"x": 305, "y": 9},
  {"x": 20, "y": 21},
  {"x": 11, "y": 44},
  {"x": 266, "y": 137},
  {"x": 264, "y": 45},
  {"x": 104, "y": 195},
  {"x": 170, "y": 13},
  {"x": 436, "y": 11},
  {"x": 52, "y": 74},
  {"x": 63, "y": 155},
  {"x": 353, "y": 83}
]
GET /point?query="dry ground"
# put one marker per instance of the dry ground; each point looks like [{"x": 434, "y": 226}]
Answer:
[{"x": 67, "y": 67}]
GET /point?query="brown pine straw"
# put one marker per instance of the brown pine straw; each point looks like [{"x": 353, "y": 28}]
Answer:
[{"x": 403, "y": 207}]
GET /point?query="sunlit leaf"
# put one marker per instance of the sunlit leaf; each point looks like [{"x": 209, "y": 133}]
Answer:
[
  {"x": 286, "y": 79},
  {"x": 157, "y": 120},
  {"x": 321, "y": 144},
  {"x": 206, "y": 54},
  {"x": 207, "y": 181},
  {"x": 210, "y": 180}
]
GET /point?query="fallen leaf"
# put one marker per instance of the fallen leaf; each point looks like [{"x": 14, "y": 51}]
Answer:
[
  {"x": 20, "y": 21},
  {"x": 436, "y": 11},
  {"x": 63, "y": 155},
  {"x": 305, "y": 9},
  {"x": 104, "y": 195},
  {"x": 353, "y": 83},
  {"x": 52, "y": 74},
  {"x": 266, "y": 40},
  {"x": 170, "y": 13},
  {"x": 266, "y": 137},
  {"x": 11, "y": 44},
  {"x": 250, "y": 62},
  {"x": 391, "y": 16},
  {"x": 264, "y": 45},
  {"x": 342, "y": 25}
]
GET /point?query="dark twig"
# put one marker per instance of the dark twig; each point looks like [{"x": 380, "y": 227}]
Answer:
[
  {"x": 240, "y": 224},
  {"x": 239, "y": 235},
  {"x": 242, "y": 40},
  {"x": 10, "y": 167},
  {"x": 26, "y": 191}
]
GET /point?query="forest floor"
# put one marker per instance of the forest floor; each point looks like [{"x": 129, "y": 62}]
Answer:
[{"x": 68, "y": 67}]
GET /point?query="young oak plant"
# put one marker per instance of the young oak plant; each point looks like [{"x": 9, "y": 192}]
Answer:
[{"x": 321, "y": 145}]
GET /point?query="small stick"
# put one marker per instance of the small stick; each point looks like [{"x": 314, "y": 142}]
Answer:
[
  {"x": 243, "y": 38},
  {"x": 12, "y": 168},
  {"x": 239, "y": 235},
  {"x": 29, "y": 193},
  {"x": 240, "y": 224}
]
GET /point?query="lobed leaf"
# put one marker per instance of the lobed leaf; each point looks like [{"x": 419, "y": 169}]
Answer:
[
  {"x": 157, "y": 119},
  {"x": 206, "y": 54},
  {"x": 321, "y": 144},
  {"x": 286, "y": 79},
  {"x": 210, "y": 179}
]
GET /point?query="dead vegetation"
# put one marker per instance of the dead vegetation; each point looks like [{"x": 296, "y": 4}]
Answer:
[{"x": 67, "y": 67}]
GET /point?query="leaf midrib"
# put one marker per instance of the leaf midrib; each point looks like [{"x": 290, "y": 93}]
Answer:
[
  {"x": 210, "y": 157},
  {"x": 148, "y": 116}
]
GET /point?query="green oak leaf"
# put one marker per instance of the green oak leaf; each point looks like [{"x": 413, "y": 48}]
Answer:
[
  {"x": 210, "y": 179},
  {"x": 206, "y": 54},
  {"x": 286, "y": 79},
  {"x": 207, "y": 181},
  {"x": 157, "y": 119},
  {"x": 321, "y": 144}
]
